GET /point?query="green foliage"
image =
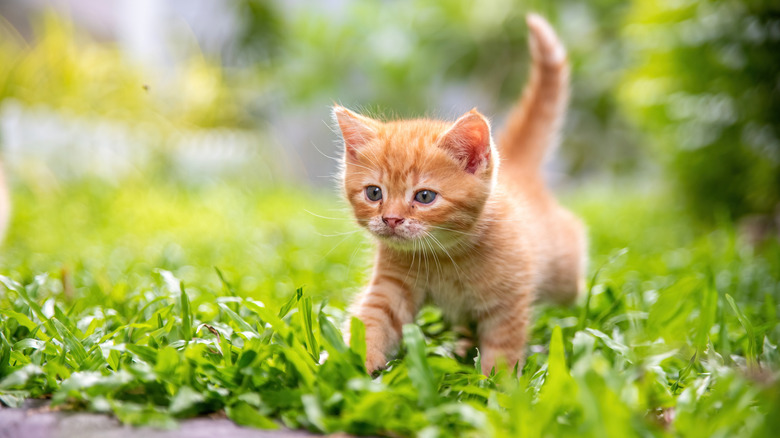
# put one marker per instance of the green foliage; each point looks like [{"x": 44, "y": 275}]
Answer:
[
  {"x": 679, "y": 335},
  {"x": 66, "y": 69},
  {"x": 705, "y": 88}
]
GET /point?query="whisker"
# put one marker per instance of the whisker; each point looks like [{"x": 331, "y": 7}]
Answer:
[
  {"x": 339, "y": 234},
  {"x": 455, "y": 265},
  {"x": 414, "y": 253},
  {"x": 433, "y": 254},
  {"x": 325, "y": 217},
  {"x": 324, "y": 154},
  {"x": 364, "y": 153},
  {"x": 426, "y": 267},
  {"x": 352, "y": 257},
  {"x": 336, "y": 246},
  {"x": 454, "y": 231}
]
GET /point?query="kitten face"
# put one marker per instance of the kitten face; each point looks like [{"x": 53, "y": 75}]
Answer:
[{"x": 417, "y": 184}]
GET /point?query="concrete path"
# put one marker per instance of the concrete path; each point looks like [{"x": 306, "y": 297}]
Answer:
[{"x": 35, "y": 420}]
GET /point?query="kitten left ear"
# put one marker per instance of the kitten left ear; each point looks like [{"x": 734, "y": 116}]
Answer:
[
  {"x": 469, "y": 140},
  {"x": 356, "y": 130}
]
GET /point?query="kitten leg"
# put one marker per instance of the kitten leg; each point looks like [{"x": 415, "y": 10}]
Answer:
[
  {"x": 465, "y": 341},
  {"x": 503, "y": 332},
  {"x": 384, "y": 307}
]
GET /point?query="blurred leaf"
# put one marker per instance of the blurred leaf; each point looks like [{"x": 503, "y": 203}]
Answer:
[
  {"x": 74, "y": 345},
  {"x": 419, "y": 371},
  {"x": 239, "y": 321},
  {"x": 357, "y": 338},
  {"x": 304, "y": 311},
  {"x": 751, "y": 354},
  {"x": 285, "y": 309},
  {"x": 185, "y": 399},
  {"x": 245, "y": 415}
]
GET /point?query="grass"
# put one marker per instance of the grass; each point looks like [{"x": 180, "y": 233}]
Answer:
[{"x": 156, "y": 302}]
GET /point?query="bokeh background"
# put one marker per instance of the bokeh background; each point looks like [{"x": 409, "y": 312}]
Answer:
[{"x": 143, "y": 134}]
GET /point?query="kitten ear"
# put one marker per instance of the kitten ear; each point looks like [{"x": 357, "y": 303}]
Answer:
[
  {"x": 468, "y": 140},
  {"x": 356, "y": 130}
]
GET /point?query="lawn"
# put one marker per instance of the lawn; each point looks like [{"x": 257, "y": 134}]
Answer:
[{"x": 156, "y": 301}]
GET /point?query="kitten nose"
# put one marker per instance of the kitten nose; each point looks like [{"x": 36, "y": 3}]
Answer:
[{"x": 393, "y": 222}]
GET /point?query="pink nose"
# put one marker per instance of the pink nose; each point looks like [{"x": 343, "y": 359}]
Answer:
[{"x": 393, "y": 222}]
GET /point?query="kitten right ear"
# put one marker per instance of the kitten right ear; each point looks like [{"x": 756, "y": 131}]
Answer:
[
  {"x": 468, "y": 140},
  {"x": 356, "y": 130}
]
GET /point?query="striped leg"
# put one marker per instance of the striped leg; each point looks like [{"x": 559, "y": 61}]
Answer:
[
  {"x": 384, "y": 307},
  {"x": 503, "y": 333}
]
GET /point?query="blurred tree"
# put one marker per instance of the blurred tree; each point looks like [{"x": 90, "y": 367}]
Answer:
[
  {"x": 262, "y": 33},
  {"x": 64, "y": 68},
  {"x": 415, "y": 57},
  {"x": 707, "y": 90}
]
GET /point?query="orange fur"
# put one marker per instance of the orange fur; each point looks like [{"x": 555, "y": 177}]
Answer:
[{"x": 490, "y": 242}]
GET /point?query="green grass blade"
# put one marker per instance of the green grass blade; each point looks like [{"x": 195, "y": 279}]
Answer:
[
  {"x": 238, "y": 320},
  {"x": 291, "y": 303},
  {"x": 228, "y": 286},
  {"x": 304, "y": 311},
  {"x": 420, "y": 371},
  {"x": 751, "y": 353},
  {"x": 331, "y": 335},
  {"x": 74, "y": 345},
  {"x": 268, "y": 317},
  {"x": 186, "y": 314},
  {"x": 246, "y": 415}
]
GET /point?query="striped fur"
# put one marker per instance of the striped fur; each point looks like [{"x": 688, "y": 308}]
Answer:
[{"x": 492, "y": 240}]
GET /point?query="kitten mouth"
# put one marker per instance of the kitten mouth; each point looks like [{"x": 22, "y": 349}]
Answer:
[
  {"x": 393, "y": 236},
  {"x": 397, "y": 241}
]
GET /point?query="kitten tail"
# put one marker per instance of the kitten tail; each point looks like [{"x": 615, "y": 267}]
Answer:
[{"x": 533, "y": 126}]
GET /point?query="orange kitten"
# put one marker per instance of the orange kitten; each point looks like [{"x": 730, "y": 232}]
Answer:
[{"x": 454, "y": 228}]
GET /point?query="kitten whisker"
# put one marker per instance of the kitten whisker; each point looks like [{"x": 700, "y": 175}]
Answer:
[
  {"x": 338, "y": 160},
  {"x": 339, "y": 234},
  {"x": 455, "y": 265},
  {"x": 331, "y": 218},
  {"x": 419, "y": 264},
  {"x": 483, "y": 219},
  {"x": 362, "y": 152},
  {"x": 336, "y": 246},
  {"x": 427, "y": 270},
  {"x": 361, "y": 166},
  {"x": 433, "y": 254},
  {"x": 454, "y": 231},
  {"x": 352, "y": 257}
]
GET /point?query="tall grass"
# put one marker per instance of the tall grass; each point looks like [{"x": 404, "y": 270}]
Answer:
[{"x": 111, "y": 302}]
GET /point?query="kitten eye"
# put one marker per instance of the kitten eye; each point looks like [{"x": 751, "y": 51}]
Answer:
[
  {"x": 425, "y": 196},
  {"x": 373, "y": 193}
]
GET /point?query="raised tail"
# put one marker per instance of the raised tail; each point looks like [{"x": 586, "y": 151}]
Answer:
[{"x": 533, "y": 125}]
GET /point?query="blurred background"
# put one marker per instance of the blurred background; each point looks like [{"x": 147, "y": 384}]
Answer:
[{"x": 181, "y": 133}]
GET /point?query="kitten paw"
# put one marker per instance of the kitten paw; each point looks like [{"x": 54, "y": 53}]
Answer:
[{"x": 375, "y": 361}]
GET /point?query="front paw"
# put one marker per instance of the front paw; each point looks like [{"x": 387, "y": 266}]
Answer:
[{"x": 375, "y": 360}]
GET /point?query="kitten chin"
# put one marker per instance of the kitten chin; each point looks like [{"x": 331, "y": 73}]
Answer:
[{"x": 454, "y": 229}]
